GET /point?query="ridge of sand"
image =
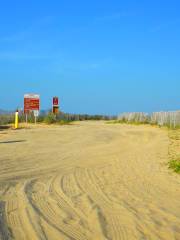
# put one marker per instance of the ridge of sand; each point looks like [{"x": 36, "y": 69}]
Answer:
[{"x": 90, "y": 180}]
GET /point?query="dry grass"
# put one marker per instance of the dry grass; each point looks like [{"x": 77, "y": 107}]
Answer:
[{"x": 174, "y": 150}]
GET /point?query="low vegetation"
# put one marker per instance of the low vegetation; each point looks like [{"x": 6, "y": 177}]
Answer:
[
  {"x": 175, "y": 165},
  {"x": 174, "y": 150},
  {"x": 126, "y": 122},
  {"x": 168, "y": 119},
  {"x": 50, "y": 118},
  {"x": 6, "y": 119}
]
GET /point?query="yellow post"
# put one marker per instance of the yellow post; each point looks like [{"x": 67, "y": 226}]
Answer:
[{"x": 16, "y": 119}]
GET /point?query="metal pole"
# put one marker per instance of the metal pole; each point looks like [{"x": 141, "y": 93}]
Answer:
[{"x": 16, "y": 119}]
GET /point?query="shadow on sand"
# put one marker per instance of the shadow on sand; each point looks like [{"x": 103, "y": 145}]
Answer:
[
  {"x": 3, "y": 127},
  {"x": 14, "y": 141}
]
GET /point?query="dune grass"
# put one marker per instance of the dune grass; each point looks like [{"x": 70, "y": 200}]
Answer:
[
  {"x": 174, "y": 150},
  {"x": 126, "y": 122},
  {"x": 174, "y": 164}
]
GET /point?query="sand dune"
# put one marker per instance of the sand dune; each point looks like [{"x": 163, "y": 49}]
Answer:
[{"x": 88, "y": 181}]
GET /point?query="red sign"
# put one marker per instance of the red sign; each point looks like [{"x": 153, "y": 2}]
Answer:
[
  {"x": 31, "y": 102},
  {"x": 55, "y": 101}
]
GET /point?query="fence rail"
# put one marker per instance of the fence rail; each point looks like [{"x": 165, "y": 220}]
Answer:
[{"x": 170, "y": 119}]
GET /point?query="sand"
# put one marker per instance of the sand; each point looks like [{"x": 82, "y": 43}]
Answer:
[{"x": 89, "y": 180}]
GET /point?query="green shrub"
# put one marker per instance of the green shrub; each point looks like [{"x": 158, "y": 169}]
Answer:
[
  {"x": 50, "y": 118},
  {"x": 6, "y": 119},
  {"x": 64, "y": 122},
  {"x": 175, "y": 165}
]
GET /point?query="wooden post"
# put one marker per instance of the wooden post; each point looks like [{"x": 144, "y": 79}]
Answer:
[{"x": 26, "y": 118}]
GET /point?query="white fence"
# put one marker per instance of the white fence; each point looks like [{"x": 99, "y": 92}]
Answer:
[
  {"x": 138, "y": 117},
  {"x": 170, "y": 119}
]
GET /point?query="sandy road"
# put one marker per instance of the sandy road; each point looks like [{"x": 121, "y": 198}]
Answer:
[{"x": 87, "y": 181}]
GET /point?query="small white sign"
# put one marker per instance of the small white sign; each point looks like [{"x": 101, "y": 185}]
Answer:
[
  {"x": 36, "y": 113},
  {"x": 32, "y": 95}
]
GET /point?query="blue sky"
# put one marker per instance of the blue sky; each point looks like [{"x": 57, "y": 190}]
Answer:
[{"x": 97, "y": 56}]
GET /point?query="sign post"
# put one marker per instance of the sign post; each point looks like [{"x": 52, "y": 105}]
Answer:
[
  {"x": 26, "y": 118},
  {"x": 55, "y": 109},
  {"x": 31, "y": 104},
  {"x": 36, "y": 114}
]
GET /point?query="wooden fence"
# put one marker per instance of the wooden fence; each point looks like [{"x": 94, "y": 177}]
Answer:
[{"x": 170, "y": 119}]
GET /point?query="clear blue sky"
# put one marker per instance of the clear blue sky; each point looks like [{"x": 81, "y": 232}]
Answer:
[{"x": 97, "y": 56}]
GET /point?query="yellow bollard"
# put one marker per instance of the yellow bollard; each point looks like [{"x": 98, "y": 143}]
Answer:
[{"x": 16, "y": 119}]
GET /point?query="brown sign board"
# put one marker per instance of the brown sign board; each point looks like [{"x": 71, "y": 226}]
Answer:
[
  {"x": 31, "y": 102},
  {"x": 55, "y": 109}
]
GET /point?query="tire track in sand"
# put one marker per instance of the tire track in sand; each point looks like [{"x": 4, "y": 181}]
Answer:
[{"x": 92, "y": 182}]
